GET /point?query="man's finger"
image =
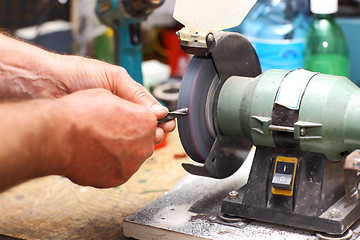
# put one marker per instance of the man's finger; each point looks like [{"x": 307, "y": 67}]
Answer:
[{"x": 136, "y": 93}]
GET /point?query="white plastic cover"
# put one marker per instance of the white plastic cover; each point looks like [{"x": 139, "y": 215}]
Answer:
[
  {"x": 323, "y": 6},
  {"x": 211, "y": 15}
]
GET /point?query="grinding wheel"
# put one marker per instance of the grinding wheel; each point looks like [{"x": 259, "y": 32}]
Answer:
[
  {"x": 196, "y": 137},
  {"x": 228, "y": 54}
]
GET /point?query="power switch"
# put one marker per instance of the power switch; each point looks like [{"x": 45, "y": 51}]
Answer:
[{"x": 284, "y": 175}]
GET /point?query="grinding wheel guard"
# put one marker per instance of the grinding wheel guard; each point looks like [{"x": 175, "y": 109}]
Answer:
[
  {"x": 226, "y": 156},
  {"x": 228, "y": 54}
]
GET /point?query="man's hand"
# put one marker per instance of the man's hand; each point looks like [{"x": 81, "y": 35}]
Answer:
[
  {"x": 91, "y": 122},
  {"x": 92, "y": 137},
  {"x": 109, "y": 138},
  {"x": 27, "y": 71},
  {"x": 98, "y": 74}
]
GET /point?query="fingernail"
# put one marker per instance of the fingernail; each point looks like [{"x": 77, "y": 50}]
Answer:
[
  {"x": 162, "y": 139},
  {"x": 157, "y": 107}
]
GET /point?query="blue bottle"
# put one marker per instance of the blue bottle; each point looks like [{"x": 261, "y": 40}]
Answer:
[{"x": 277, "y": 30}]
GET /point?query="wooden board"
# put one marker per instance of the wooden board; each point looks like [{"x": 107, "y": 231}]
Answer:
[{"x": 55, "y": 208}]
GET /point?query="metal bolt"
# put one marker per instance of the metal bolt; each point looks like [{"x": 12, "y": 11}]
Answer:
[
  {"x": 334, "y": 213},
  {"x": 302, "y": 131},
  {"x": 240, "y": 224},
  {"x": 210, "y": 37},
  {"x": 212, "y": 218},
  {"x": 233, "y": 194}
]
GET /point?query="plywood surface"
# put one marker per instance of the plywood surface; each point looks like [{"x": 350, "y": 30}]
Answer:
[{"x": 55, "y": 208}]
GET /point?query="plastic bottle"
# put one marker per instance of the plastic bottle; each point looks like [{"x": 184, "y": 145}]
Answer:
[
  {"x": 326, "y": 48},
  {"x": 277, "y": 30}
]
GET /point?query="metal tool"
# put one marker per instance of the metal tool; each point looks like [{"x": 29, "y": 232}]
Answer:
[
  {"x": 174, "y": 114},
  {"x": 124, "y": 17}
]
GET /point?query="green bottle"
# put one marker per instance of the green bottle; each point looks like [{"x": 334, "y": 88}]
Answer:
[
  {"x": 326, "y": 49},
  {"x": 104, "y": 46}
]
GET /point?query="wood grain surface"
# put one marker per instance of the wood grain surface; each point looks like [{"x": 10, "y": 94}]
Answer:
[{"x": 55, "y": 208}]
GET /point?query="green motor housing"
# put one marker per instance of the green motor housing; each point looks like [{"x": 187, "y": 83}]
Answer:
[{"x": 326, "y": 118}]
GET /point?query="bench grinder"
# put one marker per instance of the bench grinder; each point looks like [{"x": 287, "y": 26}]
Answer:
[{"x": 303, "y": 125}]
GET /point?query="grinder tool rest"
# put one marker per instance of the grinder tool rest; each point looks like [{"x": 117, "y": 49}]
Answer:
[{"x": 303, "y": 125}]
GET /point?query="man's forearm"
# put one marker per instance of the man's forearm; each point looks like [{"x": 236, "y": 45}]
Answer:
[
  {"x": 29, "y": 134},
  {"x": 26, "y": 71}
]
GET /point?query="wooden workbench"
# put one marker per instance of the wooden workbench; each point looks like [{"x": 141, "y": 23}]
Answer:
[{"x": 55, "y": 208}]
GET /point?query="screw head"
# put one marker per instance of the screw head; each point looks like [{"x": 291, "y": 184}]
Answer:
[
  {"x": 212, "y": 218},
  {"x": 233, "y": 194},
  {"x": 210, "y": 37},
  {"x": 334, "y": 213},
  {"x": 240, "y": 224},
  {"x": 302, "y": 131}
]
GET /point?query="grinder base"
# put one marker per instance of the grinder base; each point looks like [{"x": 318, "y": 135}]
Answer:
[
  {"x": 191, "y": 211},
  {"x": 317, "y": 201}
]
